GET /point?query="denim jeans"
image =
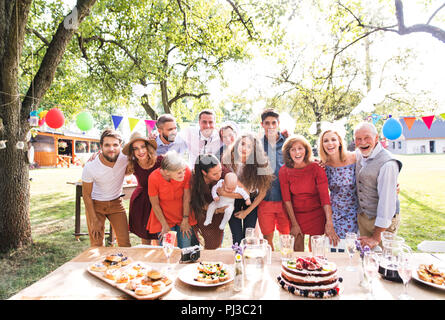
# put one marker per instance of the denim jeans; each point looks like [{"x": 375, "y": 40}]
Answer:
[
  {"x": 238, "y": 226},
  {"x": 184, "y": 241}
]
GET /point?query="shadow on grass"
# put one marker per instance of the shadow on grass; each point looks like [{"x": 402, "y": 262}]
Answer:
[
  {"x": 22, "y": 267},
  {"x": 422, "y": 205},
  {"x": 58, "y": 206}
]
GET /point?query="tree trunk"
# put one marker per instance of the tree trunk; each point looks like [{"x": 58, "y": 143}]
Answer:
[
  {"x": 15, "y": 227},
  {"x": 147, "y": 107}
]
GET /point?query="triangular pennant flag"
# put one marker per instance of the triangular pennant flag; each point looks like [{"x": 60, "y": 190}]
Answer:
[
  {"x": 133, "y": 122},
  {"x": 428, "y": 121},
  {"x": 443, "y": 115},
  {"x": 150, "y": 124},
  {"x": 116, "y": 121},
  {"x": 409, "y": 122},
  {"x": 375, "y": 118}
]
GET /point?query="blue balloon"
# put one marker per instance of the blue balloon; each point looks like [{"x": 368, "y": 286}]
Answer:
[{"x": 392, "y": 129}]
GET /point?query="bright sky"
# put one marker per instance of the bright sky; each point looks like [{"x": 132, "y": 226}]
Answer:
[{"x": 426, "y": 72}]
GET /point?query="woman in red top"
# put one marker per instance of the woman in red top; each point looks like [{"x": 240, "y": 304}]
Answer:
[
  {"x": 169, "y": 192},
  {"x": 305, "y": 192}
]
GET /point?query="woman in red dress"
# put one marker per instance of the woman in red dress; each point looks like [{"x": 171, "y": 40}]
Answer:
[
  {"x": 305, "y": 192},
  {"x": 142, "y": 161}
]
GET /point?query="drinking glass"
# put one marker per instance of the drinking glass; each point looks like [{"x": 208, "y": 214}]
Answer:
[
  {"x": 250, "y": 233},
  {"x": 405, "y": 269},
  {"x": 318, "y": 247},
  {"x": 371, "y": 268},
  {"x": 168, "y": 243},
  {"x": 350, "y": 240},
  {"x": 286, "y": 246}
]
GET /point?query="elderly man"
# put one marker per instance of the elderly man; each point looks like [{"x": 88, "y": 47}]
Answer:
[
  {"x": 376, "y": 176},
  {"x": 203, "y": 139}
]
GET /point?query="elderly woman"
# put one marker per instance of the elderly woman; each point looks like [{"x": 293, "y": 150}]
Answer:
[
  {"x": 304, "y": 189},
  {"x": 169, "y": 192},
  {"x": 142, "y": 161}
]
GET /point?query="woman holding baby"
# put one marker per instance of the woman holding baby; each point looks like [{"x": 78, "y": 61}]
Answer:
[{"x": 206, "y": 174}]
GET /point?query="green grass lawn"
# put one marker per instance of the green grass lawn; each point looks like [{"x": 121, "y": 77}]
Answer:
[
  {"x": 422, "y": 183},
  {"x": 422, "y": 190}
]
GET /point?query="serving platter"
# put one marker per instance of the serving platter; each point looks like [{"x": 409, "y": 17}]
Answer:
[{"x": 123, "y": 286}]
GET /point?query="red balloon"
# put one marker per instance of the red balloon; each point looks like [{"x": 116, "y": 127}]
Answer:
[
  {"x": 54, "y": 118},
  {"x": 41, "y": 122}
]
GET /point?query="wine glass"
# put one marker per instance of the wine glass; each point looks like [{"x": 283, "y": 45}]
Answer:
[
  {"x": 405, "y": 269},
  {"x": 168, "y": 243},
  {"x": 371, "y": 268},
  {"x": 350, "y": 245}
]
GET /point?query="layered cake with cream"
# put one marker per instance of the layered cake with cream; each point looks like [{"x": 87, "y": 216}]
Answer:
[{"x": 310, "y": 277}]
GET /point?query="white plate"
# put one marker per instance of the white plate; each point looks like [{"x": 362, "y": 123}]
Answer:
[
  {"x": 431, "y": 246},
  {"x": 189, "y": 274},
  {"x": 438, "y": 286}
]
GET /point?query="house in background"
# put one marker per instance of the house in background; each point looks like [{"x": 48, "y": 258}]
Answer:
[
  {"x": 420, "y": 139},
  {"x": 62, "y": 149}
]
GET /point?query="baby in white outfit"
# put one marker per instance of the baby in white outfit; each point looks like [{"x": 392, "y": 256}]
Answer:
[{"x": 229, "y": 184}]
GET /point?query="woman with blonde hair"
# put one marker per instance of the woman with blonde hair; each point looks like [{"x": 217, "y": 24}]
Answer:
[
  {"x": 340, "y": 170},
  {"x": 304, "y": 189},
  {"x": 246, "y": 157}
]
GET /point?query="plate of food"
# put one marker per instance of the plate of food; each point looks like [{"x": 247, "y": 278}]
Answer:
[
  {"x": 430, "y": 275},
  {"x": 135, "y": 278},
  {"x": 206, "y": 274}
]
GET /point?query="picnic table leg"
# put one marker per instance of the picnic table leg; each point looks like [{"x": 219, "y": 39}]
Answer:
[{"x": 77, "y": 217}]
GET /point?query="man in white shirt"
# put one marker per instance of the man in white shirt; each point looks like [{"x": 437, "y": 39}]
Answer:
[
  {"x": 204, "y": 139},
  {"x": 102, "y": 181}
]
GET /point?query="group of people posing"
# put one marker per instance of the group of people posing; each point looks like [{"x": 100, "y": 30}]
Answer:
[{"x": 196, "y": 182}]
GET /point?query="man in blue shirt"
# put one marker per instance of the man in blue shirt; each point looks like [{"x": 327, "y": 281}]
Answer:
[
  {"x": 168, "y": 138},
  {"x": 271, "y": 211}
]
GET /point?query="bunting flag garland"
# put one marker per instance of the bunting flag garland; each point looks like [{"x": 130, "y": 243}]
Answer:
[
  {"x": 150, "y": 124},
  {"x": 409, "y": 121},
  {"x": 428, "y": 120},
  {"x": 133, "y": 122},
  {"x": 116, "y": 121}
]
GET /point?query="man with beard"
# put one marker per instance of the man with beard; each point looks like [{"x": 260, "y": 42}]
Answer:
[
  {"x": 102, "y": 180},
  {"x": 376, "y": 174},
  {"x": 168, "y": 139}
]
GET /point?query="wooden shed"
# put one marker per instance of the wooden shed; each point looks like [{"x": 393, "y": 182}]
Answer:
[{"x": 57, "y": 149}]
